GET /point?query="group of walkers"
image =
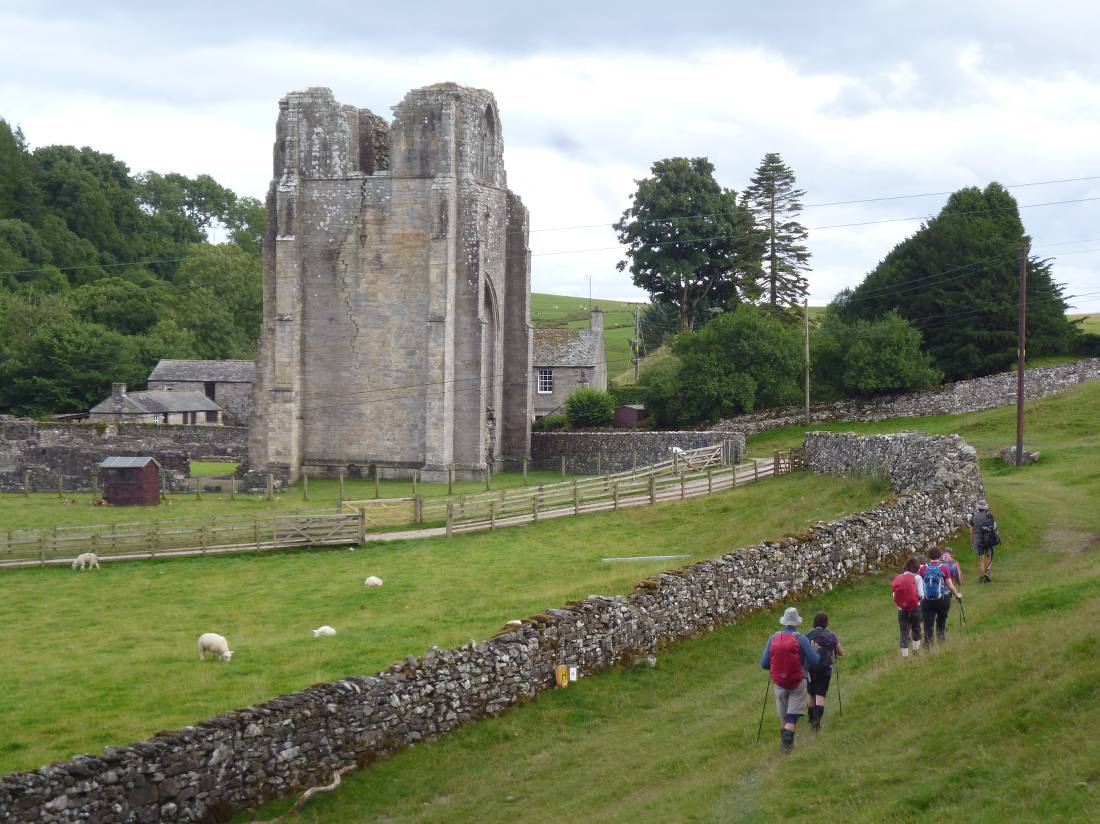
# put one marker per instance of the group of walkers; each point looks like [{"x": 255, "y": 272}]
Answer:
[{"x": 801, "y": 666}]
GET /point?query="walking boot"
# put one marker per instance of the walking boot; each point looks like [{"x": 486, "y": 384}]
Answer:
[
  {"x": 815, "y": 718},
  {"x": 786, "y": 741}
]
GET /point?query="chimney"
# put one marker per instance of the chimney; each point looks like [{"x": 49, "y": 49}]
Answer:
[
  {"x": 596, "y": 324},
  {"x": 118, "y": 390}
]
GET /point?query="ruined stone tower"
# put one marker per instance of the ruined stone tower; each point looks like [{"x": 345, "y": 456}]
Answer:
[{"x": 396, "y": 291}]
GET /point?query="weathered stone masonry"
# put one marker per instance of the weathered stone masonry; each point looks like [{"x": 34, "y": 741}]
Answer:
[
  {"x": 47, "y": 450},
  {"x": 615, "y": 450},
  {"x": 396, "y": 325},
  {"x": 245, "y": 757}
]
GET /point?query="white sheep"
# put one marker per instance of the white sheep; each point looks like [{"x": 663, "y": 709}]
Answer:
[
  {"x": 373, "y": 581},
  {"x": 212, "y": 642},
  {"x": 325, "y": 630},
  {"x": 86, "y": 560}
]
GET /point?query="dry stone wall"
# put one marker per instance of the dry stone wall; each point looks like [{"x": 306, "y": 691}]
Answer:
[
  {"x": 617, "y": 450},
  {"x": 47, "y": 451},
  {"x": 949, "y": 399},
  {"x": 243, "y": 758}
]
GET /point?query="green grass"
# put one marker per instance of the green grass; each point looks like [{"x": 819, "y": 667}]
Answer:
[
  {"x": 1000, "y": 725},
  {"x": 108, "y": 656},
  {"x": 1091, "y": 322},
  {"x": 209, "y": 469},
  {"x": 42, "y": 509}
]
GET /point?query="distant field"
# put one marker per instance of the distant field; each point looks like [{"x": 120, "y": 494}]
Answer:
[{"x": 1091, "y": 324}]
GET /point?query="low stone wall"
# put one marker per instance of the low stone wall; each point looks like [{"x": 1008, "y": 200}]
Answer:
[
  {"x": 949, "y": 399},
  {"x": 246, "y": 757},
  {"x": 617, "y": 450},
  {"x": 74, "y": 450}
]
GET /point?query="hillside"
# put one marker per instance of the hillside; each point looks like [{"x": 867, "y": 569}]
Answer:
[
  {"x": 1000, "y": 725},
  {"x": 560, "y": 311}
]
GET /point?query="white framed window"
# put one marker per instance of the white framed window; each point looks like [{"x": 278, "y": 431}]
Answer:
[{"x": 546, "y": 380}]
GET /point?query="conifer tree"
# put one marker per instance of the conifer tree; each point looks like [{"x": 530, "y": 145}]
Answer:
[{"x": 775, "y": 202}]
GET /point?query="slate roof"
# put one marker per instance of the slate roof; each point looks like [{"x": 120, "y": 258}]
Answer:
[
  {"x": 222, "y": 371},
  {"x": 155, "y": 401},
  {"x": 564, "y": 347},
  {"x": 126, "y": 463}
]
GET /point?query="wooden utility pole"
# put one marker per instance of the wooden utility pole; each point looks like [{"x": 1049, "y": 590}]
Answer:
[
  {"x": 637, "y": 343},
  {"x": 806, "y": 325},
  {"x": 1021, "y": 356}
]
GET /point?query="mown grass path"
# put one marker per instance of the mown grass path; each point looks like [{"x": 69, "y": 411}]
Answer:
[{"x": 999, "y": 725}]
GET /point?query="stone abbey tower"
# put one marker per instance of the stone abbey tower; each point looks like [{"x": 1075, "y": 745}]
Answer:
[{"x": 397, "y": 290}]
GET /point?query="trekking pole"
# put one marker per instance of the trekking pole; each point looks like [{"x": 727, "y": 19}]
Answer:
[
  {"x": 763, "y": 709},
  {"x": 962, "y": 614},
  {"x": 839, "y": 700}
]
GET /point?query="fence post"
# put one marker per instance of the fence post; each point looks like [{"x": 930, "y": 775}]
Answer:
[
  {"x": 60, "y": 485},
  {"x": 305, "y": 486},
  {"x": 599, "y": 463},
  {"x": 535, "y": 509},
  {"x": 450, "y": 479},
  {"x": 450, "y": 518},
  {"x": 256, "y": 531},
  {"x": 675, "y": 463},
  {"x": 755, "y": 470},
  {"x": 615, "y": 495},
  {"x": 95, "y": 487},
  {"x": 462, "y": 506},
  {"x": 26, "y": 483},
  {"x": 525, "y": 472},
  {"x": 775, "y": 464},
  {"x": 340, "y": 495},
  {"x": 485, "y": 475},
  {"x": 374, "y": 471},
  {"x": 652, "y": 489},
  {"x": 492, "y": 515},
  {"x": 633, "y": 461},
  {"x": 418, "y": 509},
  {"x": 563, "y": 467},
  {"x": 710, "y": 481},
  {"x": 682, "y": 486},
  {"x": 415, "y": 473},
  {"x": 362, "y": 525},
  {"x": 233, "y": 488},
  {"x": 576, "y": 500},
  {"x": 269, "y": 491}
]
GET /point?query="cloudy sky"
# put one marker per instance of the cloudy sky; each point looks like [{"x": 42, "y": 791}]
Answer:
[{"x": 862, "y": 99}]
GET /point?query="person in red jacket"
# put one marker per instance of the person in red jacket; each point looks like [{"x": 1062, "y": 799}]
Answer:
[
  {"x": 908, "y": 591},
  {"x": 788, "y": 657}
]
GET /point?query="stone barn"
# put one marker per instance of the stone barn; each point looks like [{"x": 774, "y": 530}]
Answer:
[
  {"x": 130, "y": 481},
  {"x": 396, "y": 292}
]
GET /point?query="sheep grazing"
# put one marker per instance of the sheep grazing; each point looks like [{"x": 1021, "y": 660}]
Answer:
[
  {"x": 325, "y": 630},
  {"x": 373, "y": 581},
  {"x": 212, "y": 642},
  {"x": 86, "y": 560}
]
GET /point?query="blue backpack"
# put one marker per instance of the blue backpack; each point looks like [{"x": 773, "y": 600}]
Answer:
[{"x": 934, "y": 587}]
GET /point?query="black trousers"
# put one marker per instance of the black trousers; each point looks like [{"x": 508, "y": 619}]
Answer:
[
  {"x": 909, "y": 624},
  {"x": 935, "y": 613}
]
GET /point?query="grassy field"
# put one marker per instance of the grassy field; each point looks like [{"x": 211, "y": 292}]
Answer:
[
  {"x": 1091, "y": 324},
  {"x": 999, "y": 725},
  {"x": 46, "y": 509},
  {"x": 108, "y": 657}
]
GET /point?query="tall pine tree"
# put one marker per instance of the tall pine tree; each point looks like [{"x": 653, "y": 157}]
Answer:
[{"x": 775, "y": 202}]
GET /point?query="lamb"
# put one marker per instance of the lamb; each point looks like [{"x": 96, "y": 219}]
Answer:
[
  {"x": 325, "y": 630},
  {"x": 86, "y": 560},
  {"x": 373, "y": 581},
  {"x": 212, "y": 642}
]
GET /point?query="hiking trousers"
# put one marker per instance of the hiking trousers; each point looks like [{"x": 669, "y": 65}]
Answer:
[
  {"x": 935, "y": 614},
  {"x": 909, "y": 624}
]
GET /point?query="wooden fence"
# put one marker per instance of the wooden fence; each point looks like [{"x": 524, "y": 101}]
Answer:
[{"x": 688, "y": 474}]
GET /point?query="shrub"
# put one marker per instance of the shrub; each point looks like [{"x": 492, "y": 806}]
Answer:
[
  {"x": 590, "y": 407},
  {"x": 626, "y": 394},
  {"x": 550, "y": 423}
]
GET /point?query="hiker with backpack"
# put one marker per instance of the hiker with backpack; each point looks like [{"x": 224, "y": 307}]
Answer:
[
  {"x": 939, "y": 586},
  {"x": 908, "y": 589},
  {"x": 788, "y": 656},
  {"x": 828, "y": 649},
  {"x": 983, "y": 537}
]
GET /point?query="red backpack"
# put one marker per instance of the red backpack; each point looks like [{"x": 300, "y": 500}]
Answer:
[
  {"x": 785, "y": 660},
  {"x": 905, "y": 591}
]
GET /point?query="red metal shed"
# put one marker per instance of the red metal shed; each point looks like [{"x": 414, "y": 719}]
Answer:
[
  {"x": 130, "y": 481},
  {"x": 630, "y": 415}
]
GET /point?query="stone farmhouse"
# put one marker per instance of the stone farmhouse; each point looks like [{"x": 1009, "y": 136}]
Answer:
[
  {"x": 226, "y": 382},
  {"x": 161, "y": 406},
  {"x": 564, "y": 360},
  {"x": 396, "y": 327}
]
